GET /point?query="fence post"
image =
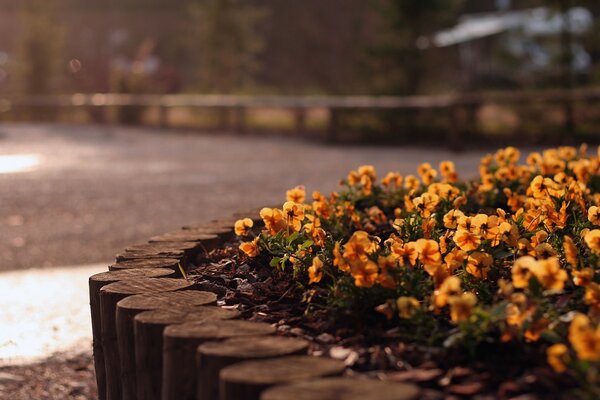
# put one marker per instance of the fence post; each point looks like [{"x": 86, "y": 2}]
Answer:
[{"x": 334, "y": 125}]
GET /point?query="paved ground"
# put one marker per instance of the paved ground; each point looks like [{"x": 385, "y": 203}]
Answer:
[
  {"x": 76, "y": 195},
  {"x": 97, "y": 189}
]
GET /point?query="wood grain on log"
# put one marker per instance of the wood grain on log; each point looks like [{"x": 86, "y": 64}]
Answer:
[
  {"x": 148, "y": 330},
  {"x": 171, "y": 263},
  {"x": 246, "y": 380},
  {"x": 209, "y": 241},
  {"x": 179, "y": 351},
  {"x": 222, "y": 231},
  {"x": 179, "y": 250},
  {"x": 343, "y": 389},
  {"x": 96, "y": 282},
  {"x": 129, "y": 307},
  {"x": 212, "y": 357},
  {"x": 109, "y": 297}
]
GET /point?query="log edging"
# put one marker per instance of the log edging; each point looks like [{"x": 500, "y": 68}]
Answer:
[{"x": 133, "y": 306}]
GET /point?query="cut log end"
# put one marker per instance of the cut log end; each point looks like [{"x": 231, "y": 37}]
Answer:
[
  {"x": 181, "y": 299},
  {"x": 171, "y": 263},
  {"x": 343, "y": 389},
  {"x": 219, "y": 330},
  {"x": 254, "y": 348},
  {"x": 281, "y": 370}
]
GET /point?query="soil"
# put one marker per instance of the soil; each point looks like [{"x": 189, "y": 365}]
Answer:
[
  {"x": 374, "y": 347},
  {"x": 59, "y": 377}
]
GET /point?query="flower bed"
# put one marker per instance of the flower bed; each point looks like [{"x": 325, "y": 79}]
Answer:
[{"x": 481, "y": 286}]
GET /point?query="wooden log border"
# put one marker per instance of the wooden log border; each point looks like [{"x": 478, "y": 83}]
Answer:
[{"x": 140, "y": 281}]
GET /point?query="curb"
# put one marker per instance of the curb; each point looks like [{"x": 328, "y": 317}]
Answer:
[{"x": 156, "y": 336}]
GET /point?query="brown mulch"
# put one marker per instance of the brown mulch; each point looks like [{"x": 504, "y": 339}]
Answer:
[
  {"x": 374, "y": 348},
  {"x": 59, "y": 377}
]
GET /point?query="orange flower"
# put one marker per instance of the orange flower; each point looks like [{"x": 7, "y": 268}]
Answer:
[
  {"x": 592, "y": 239},
  {"x": 386, "y": 265},
  {"x": 455, "y": 260},
  {"x": 557, "y": 356},
  {"x": 594, "y": 215},
  {"x": 451, "y": 218},
  {"x": 250, "y": 248},
  {"x": 407, "y": 253},
  {"x": 521, "y": 271},
  {"x": 549, "y": 273},
  {"x": 584, "y": 338},
  {"x": 571, "y": 254},
  {"x": 450, "y": 287},
  {"x": 429, "y": 251},
  {"x": 407, "y": 306},
  {"x": 392, "y": 179},
  {"x": 461, "y": 306},
  {"x": 242, "y": 226},
  {"x": 448, "y": 171},
  {"x": 359, "y": 246},
  {"x": 365, "y": 274},
  {"x": 294, "y": 214},
  {"x": 338, "y": 260},
  {"x": 592, "y": 297},
  {"x": 479, "y": 264},
  {"x": 583, "y": 276},
  {"x": 540, "y": 186},
  {"x": 297, "y": 194},
  {"x": 315, "y": 271},
  {"x": 273, "y": 219},
  {"x": 466, "y": 240}
]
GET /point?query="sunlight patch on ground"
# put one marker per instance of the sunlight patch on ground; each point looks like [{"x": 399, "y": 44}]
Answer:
[
  {"x": 18, "y": 163},
  {"x": 45, "y": 311}
]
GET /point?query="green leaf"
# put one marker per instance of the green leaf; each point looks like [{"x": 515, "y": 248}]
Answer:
[
  {"x": 306, "y": 244},
  {"x": 292, "y": 237},
  {"x": 274, "y": 262}
]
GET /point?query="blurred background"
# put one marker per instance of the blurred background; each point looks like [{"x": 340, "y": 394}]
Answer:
[
  {"x": 120, "y": 120},
  {"x": 483, "y": 70}
]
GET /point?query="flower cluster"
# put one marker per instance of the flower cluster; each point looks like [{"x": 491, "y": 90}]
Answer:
[{"x": 510, "y": 256}]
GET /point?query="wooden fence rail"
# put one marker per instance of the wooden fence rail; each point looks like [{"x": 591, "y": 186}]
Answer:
[{"x": 453, "y": 105}]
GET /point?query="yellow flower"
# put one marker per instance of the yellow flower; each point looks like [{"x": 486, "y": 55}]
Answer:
[
  {"x": 557, "y": 356},
  {"x": 407, "y": 306},
  {"x": 479, "y": 264},
  {"x": 466, "y": 240},
  {"x": 294, "y": 214},
  {"x": 429, "y": 251},
  {"x": 297, "y": 194},
  {"x": 273, "y": 219},
  {"x": 250, "y": 248},
  {"x": 242, "y": 226},
  {"x": 315, "y": 271},
  {"x": 584, "y": 338},
  {"x": 461, "y": 306},
  {"x": 592, "y": 239}
]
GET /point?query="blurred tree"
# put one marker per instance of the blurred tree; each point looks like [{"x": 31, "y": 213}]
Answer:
[
  {"x": 223, "y": 43},
  {"x": 40, "y": 48},
  {"x": 398, "y": 51}
]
